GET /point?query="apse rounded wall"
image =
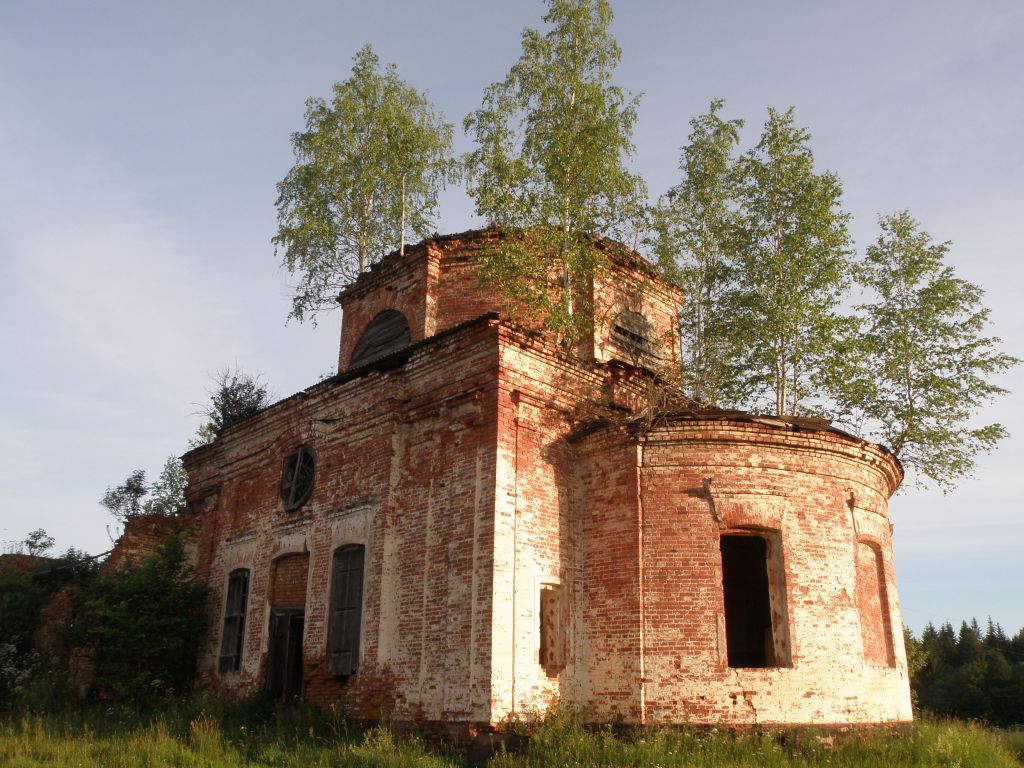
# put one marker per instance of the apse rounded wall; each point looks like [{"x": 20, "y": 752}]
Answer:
[{"x": 763, "y": 577}]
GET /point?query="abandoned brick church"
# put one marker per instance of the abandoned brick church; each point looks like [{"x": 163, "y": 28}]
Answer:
[{"x": 448, "y": 531}]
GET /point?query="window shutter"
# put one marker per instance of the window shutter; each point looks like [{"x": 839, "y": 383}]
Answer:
[
  {"x": 346, "y": 611},
  {"x": 233, "y": 636},
  {"x": 552, "y": 628},
  {"x": 387, "y": 332}
]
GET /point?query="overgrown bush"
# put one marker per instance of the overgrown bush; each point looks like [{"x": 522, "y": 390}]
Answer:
[
  {"x": 143, "y": 627},
  {"x": 24, "y": 674}
]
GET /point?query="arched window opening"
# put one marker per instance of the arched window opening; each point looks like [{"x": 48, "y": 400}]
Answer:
[
  {"x": 873, "y": 605},
  {"x": 386, "y": 333}
]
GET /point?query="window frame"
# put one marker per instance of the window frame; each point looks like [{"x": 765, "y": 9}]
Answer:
[
  {"x": 387, "y": 332},
  {"x": 294, "y": 468},
  {"x": 236, "y": 604},
  {"x": 775, "y": 596},
  {"x": 345, "y": 610}
]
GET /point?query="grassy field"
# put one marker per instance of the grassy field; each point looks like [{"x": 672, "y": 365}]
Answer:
[{"x": 213, "y": 734}]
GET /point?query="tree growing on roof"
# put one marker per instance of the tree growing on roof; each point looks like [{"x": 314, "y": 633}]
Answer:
[
  {"x": 368, "y": 170},
  {"x": 134, "y": 497},
  {"x": 793, "y": 257},
  {"x": 694, "y": 245},
  {"x": 550, "y": 164},
  {"x": 236, "y": 396},
  {"x": 919, "y": 366}
]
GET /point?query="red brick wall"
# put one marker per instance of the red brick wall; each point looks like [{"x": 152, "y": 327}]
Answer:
[
  {"x": 436, "y": 285},
  {"x": 142, "y": 536},
  {"x": 288, "y": 587},
  {"x": 461, "y": 475},
  {"x": 817, "y": 490},
  {"x": 396, "y": 283},
  {"x": 405, "y": 466}
]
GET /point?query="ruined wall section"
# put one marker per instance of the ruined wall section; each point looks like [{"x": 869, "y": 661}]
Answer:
[
  {"x": 819, "y": 494},
  {"x": 405, "y": 468},
  {"x": 141, "y": 537}
]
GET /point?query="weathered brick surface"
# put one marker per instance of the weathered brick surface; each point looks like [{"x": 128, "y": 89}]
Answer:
[
  {"x": 142, "y": 536},
  {"x": 462, "y": 468},
  {"x": 288, "y": 585},
  {"x": 824, "y": 494}
]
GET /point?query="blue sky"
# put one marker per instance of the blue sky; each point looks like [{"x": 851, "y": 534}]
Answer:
[{"x": 140, "y": 144}]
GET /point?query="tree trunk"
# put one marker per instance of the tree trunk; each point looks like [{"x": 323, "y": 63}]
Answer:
[{"x": 401, "y": 229}]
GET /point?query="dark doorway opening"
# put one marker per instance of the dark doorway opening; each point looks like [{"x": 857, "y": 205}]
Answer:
[
  {"x": 749, "y": 637},
  {"x": 284, "y": 657}
]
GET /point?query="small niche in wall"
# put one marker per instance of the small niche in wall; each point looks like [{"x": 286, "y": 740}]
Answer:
[{"x": 873, "y": 606}]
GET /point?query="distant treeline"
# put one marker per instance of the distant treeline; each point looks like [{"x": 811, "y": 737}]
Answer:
[{"x": 972, "y": 673}]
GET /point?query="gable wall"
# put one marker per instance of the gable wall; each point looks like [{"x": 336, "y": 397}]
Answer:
[{"x": 405, "y": 467}]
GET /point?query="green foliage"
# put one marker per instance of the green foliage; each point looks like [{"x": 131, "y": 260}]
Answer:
[
  {"x": 552, "y": 140},
  {"x": 368, "y": 170},
  {"x": 167, "y": 493},
  {"x": 695, "y": 235},
  {"x": 970, "y": 673},
  {"x": 792, "y": 253},
  {"x": 206, "y": 732},
  {"x": 24, "y": 676},
  {"x": 125, "y": 501},
  {"x": 759, "y": 246},
  {"x": 236, "y": 396},
  {"x": 166, "y": 496},
  {"x": 38, "y": 542},
  {"x": 20, "y": 601},
  {"x": 919, "y": 366},
  {"x": 143, "y": 626}
]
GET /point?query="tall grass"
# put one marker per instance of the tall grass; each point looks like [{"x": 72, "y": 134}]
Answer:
[{"x": 211, "y": 733}]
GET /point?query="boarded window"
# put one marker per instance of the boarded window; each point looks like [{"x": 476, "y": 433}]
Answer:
[
  {"x": 345, "y": 611},
  {"x": 633, "y": 334},
  {"x": 387, "y": 332},
  {"x": 552, "y": 627},
  {"x": 297, "y": 477},
  {"x": 234, "y": 621},
  {"x": 873, "y": 604},
  {"x": 755, "y": 632}
]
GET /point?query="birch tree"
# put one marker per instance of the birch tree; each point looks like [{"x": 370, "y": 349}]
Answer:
[
  {"x": 921, "y": 365},
  {"x": 368, "y": 171},
  {"x": 694, "y": 241},
  {"x": 550, "y": 164},
  {"x": 793, "y": 262}
]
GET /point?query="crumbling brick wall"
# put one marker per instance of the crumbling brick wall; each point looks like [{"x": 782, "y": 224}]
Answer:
[{"x": 485, "y": 464}]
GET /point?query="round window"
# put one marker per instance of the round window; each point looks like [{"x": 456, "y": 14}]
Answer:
[{"x": 297, "y": 477}]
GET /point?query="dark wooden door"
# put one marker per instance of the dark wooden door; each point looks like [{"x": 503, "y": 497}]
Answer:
[{"x": 284, "y": 657}]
